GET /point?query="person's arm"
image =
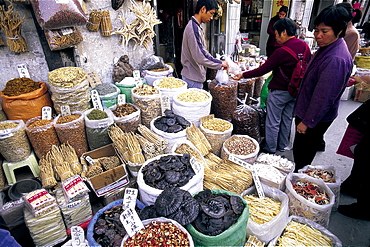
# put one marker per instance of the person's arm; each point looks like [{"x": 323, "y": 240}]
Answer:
[{"x": 333, "y": 75}]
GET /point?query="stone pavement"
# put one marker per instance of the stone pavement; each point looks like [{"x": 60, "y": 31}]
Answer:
[{"x": 351, "y": 232}]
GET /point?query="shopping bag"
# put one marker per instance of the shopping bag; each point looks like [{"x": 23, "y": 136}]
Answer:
[{"x": 264, "y": 92}]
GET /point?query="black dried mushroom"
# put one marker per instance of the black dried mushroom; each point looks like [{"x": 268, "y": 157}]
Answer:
[
  {"x": 214, "y": 208},
  {"x": 168, "y": 201},
  {"x": 237, "y": 204}
]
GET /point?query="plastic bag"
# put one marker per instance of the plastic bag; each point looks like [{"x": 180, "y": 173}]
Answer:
[
  {"x": 97, "y": 130},
  {"x": 233, "y": 67},
  {"x": 224, "y": 98},
  {"x": 335, "y": 240},
  {"x": 63, "y": 38},
  {"x": 335, "y": 186},
  {"x": 172, "y": 138},
  {"x": 222, "y": 76},
  {"x": 130, "y": 122},
  {"x": 14, "y": 144},
  {"x": 27, "y": 105},
  {"x": 72, "y": 132},
  {"x": 59, "y": 13},
  {"x": 192, "y": 111},
  {"x": 300, "y": 206},
  {"x": 246, "y": 121},
  {"x": 269, "y": 230},
  {"x": 42, "y": 137},
  {"x": 264, "y": 92},
  {"x": 148, "y": 194},
  {"x": 245, "y": 90}
]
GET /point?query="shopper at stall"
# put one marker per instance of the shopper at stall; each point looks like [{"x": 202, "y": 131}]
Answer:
[
  {"x": 272, "y": 44},
  {"x": 352, "y": 36},
  {"x": 280, "y": 103},
  {"x": 194, "y": 56},
  {"x": 356, "y": 184},
  {"x": 323, "y": 84}
]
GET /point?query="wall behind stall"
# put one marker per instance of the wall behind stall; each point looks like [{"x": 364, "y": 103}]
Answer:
[{"x": 34, "y": 58}]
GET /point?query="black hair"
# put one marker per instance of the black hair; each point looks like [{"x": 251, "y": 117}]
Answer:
[
  {"x": 349, "y": 9},
  {"x": 283, "y": 9},
  {"x": 286, "y": 24},
  {"x": 336, "y": 17},
  {"x": 209, "y": 4},
  {"x": 357, "y": 17}
]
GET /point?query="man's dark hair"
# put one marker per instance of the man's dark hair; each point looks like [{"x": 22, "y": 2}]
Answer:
[
  {"x": 286, "y": 24},
  {"x": 209, "y": 4},
  {"x": 336, "y": 17}
]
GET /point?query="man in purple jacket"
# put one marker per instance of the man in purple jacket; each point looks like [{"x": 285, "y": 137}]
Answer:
[
  {"x": 194, "y": 56},
  {"x": 323, "y": 84},
  {"x": 280, "y": 103}
]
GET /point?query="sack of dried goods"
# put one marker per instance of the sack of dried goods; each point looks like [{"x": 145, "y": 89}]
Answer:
[
  {"x": 224, "y": 98},
  {"x": 171, "y": 127},
  {"x": 14, "y": 144},
  {"x": 150, "y": 75},
  {"x": 59, "y": 39},
  {"x": 168, "y": 231},
  {"x": 126, "y": 116},
  {"x": 69, "y": 86},
  {"x": 246, "y": 121},
  {"x": 167, "y": 170},
  {"x": 192, "y": 104},
  {"x": 309, "y": 197},
  {"x": 71, "y": 129},
  {"x": 216, "y": 130},
  {"x": 42, "y": 135},
  {"x": 329, "y": 175},
  {"x": 304, "y": 232},
  {"x": 241, "y": 146},
  {"x": 267, "y": 216},
  {"x": 97, "y": 123},
  {"x": 23, "y": 98},
  {"x": 148, "y": 99},
  {"x": 170, "y": 86},
  {"x": 246, "y": 89},
  {"x": 108, "y": 94},
  {"x": 222, "y": 219}
]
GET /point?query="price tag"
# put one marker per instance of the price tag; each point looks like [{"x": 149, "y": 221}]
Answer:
[
  {"x": 131, "y": 221},
  {"x": 23, "y": 71},
  {"x": 240, "y": 162},
  {"x": 195, "y": 165},
  {"x": 257, "y": 183},
  {"x": 165, "y": 103},
  {"x": 66, "y": 31},
  {"x": 93, "y": 79},
  {"x": 77, "y": 235},
  {"x": 95, "y": 98},
  {"x": 65, "y": 110},
  {"x": 90, "y": 160},
  {"x": 5, "y": 131},
  {"x": 121, "y": 99},
  {"x": 129, "y": 198},
  {"x": 136, "y": 75},
  {"x": 74, "y": 204},
  {"x": 46, "y": 113}
]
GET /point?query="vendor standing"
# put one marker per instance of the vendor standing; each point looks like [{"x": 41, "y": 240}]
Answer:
[
  {"x": 194, "y": 56},
  {"x": 272, "y": 44}
]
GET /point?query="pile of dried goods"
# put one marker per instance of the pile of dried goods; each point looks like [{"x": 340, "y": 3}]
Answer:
[
  {"x": 20, "y": 86},
  {"x": 311, "y": 192},
  {"x": 240, "y": 145},
  {"x": 170, "y": 83},
  {"x": 262, "y": 210},
  {"x": 193, "y": 96},
  {"x": 326, "y": 175},
  {"x": 171, "y": 123}
]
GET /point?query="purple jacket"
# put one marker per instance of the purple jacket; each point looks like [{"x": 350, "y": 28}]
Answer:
[
  {"x": 324, "y": 81},
  {"x": 281, "y": 58}
]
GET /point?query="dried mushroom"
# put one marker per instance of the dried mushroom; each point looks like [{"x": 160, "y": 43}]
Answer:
[
  {"x": 123, "y": 69},
  {"x": 171, "y": 123},
  {"x": 168, "y": 201},
  {"x": 217, "y": 212}
]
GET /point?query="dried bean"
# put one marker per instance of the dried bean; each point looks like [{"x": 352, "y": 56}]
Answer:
[
  {"x": 217, "y": 125},
  {"x": 240, "y": 145}
]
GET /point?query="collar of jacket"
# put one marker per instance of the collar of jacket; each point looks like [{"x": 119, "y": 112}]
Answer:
[{"x": 196, "y": 21}]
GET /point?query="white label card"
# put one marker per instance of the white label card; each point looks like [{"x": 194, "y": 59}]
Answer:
[
  {"x": 74, "y": 204},
  {"x": 121, "y": 99},
  {"x": 257, "y": 183},
  {"x": 46, "y": 113},
  {"x": 195, "y": 165},
  {"x": 65, "y": 110},
  {"x": 77, "y": 235},
  {"x": 240, "y": 162},
  {"x": 129, "y": 198},
  {"x": 95, "y": 98},
  {"x": 165, "y": 103},
  {"x": 90, "y": 160},
  {"x": 93, "y": 79},
  {"x": 131, "y": 221},
  {"x": 136, "y": 75},
  {"x": 5, "y": 131},
  {"x": 66, "y": 31},
  {"x": 23, "y": 71}
]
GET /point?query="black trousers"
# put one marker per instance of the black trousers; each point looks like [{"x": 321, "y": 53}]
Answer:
[{"x": 305, "y": 145}]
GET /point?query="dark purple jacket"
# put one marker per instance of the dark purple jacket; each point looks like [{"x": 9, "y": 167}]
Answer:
[
  {"x": 323, "y": 84},
  {"x": 281, "y": 58}
]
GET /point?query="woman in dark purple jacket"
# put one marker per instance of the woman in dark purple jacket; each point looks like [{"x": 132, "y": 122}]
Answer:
[
  {"x": 323, "y": 84},
  {"x": 272, "y": 44}
]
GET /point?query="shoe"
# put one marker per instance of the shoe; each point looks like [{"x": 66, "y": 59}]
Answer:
[
  {"x": 321, "y": 147},
  {"x": 266, "y": 151},
  {"x": 355, "y": 211}
]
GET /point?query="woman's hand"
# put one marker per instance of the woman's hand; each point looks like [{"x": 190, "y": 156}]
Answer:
[
  {"x": 237, "y": 77},
  {"x": 301, "y": 128}
]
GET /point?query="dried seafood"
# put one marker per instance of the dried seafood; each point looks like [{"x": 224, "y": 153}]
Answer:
[
  {"x": 141, "y": 29},
  {"x": 311, "y": 192}
]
